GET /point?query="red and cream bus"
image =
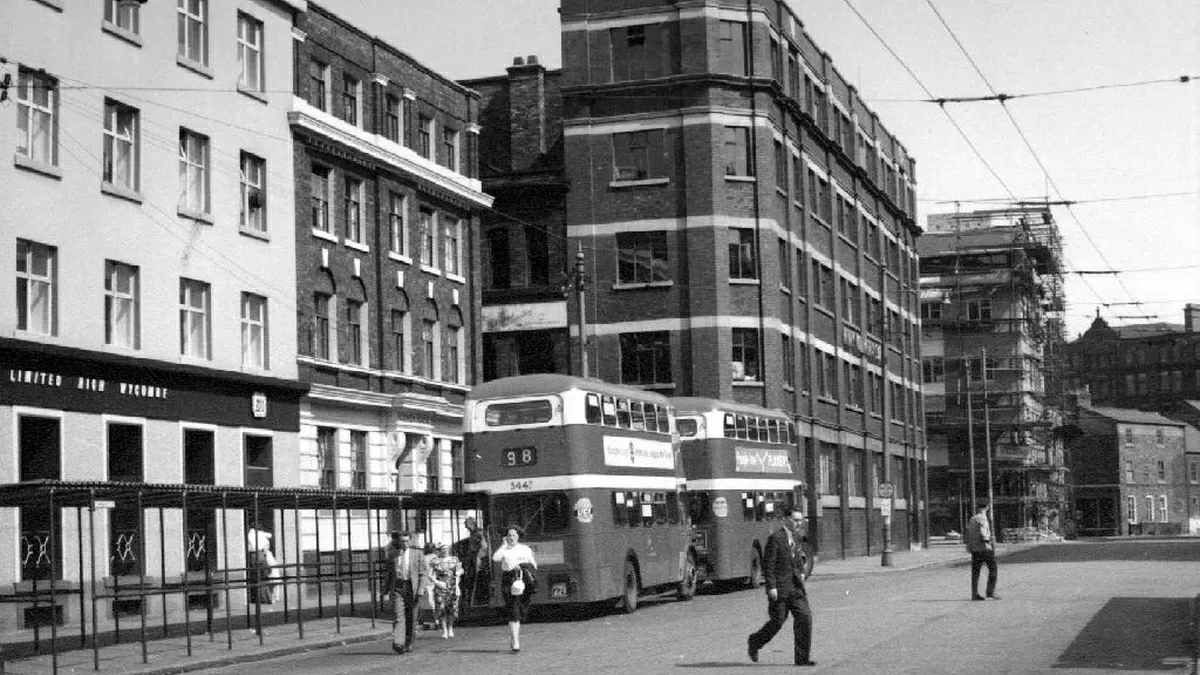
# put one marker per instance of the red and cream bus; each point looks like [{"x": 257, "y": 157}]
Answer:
[
  {"x": 742, "y": 469},
  {"x": 591, "y": 472}
]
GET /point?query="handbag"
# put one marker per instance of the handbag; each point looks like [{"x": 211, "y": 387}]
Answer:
[{"x": 518, "y": 586}]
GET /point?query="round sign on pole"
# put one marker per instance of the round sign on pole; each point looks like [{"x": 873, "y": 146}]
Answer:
[{"x": 885, "y": 490}]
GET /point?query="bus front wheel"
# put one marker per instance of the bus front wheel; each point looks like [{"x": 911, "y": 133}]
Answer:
[
  {"x": 755, "y": 579},
  {"x": 629, "y": 600},
  {"x": 687, "y": 585}
]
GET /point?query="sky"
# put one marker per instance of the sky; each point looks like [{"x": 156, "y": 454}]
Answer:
[{"x": 1128, "y": 156}]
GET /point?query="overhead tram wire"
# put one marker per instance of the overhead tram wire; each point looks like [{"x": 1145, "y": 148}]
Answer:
[
  {"x": 1182, "y": 79},
  {"x": 1028, "y": 145},
  {"x": 953, "y": 122},
  {"x": 1072, "y": 202}
]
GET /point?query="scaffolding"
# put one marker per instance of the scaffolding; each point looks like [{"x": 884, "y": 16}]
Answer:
[{"x": 992, "y": 286}]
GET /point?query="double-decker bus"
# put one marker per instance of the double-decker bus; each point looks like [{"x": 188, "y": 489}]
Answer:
[
  {"x": 742, "y": 469},
  {"x": 591, "y": 472}
]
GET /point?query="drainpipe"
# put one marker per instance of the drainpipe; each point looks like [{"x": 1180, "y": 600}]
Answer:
[{"x": 762, "y": 327}]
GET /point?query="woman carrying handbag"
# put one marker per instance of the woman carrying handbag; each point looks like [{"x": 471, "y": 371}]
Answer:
[{"x": 517, "y": 581}]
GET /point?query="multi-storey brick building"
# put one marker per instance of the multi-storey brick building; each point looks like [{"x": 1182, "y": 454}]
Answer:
[
  {"x": 1151, "y": 366},
  {"x": 991, "y": 312},
  {"x": 1131, "y": 473},
  {"x": 148, "y": 284},
  {"x": 387, "y": 294},
  {"x": 525, "y": 271},
  {"x": 747, "y": 225}
]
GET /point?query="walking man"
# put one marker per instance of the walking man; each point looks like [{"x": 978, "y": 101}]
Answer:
[
  {"x": 983, "y": 551},
  {"x": 405, "y": 567},
  {"x": 783, "y": 569}
]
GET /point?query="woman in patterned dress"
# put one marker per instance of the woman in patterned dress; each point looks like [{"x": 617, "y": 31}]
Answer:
[{"x": 445, "y": 570}]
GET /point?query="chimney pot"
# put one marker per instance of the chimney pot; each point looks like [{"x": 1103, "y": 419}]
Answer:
[
  {"x": 1191, "y": 317},
  {"x": 518, "y": 61},
  {"x": 531, "y": 59}
]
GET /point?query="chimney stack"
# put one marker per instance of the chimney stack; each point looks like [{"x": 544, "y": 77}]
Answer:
[
  {"x": 1191, "y": 317},
  {"x": 526, "y": 112}
]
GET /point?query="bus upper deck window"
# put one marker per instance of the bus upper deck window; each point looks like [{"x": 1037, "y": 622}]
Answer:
[
  {"x": 742, "y": 433},
  {"x": 687, "y": 427},
  {"x": 752, "y": 426},
  {"x": 652, "y": 417},
  {"x": 609, "y": 408},
  {"x": 624, "y": 419},
  {"x": 787, "y": 433},
  {"x": 773, "y": 431},
  {"x": 637, "y": 416},
  {"x": 730, "y": 426},
  {"x": 664, "y": 419},
  {"x": 592, "y": 407}
]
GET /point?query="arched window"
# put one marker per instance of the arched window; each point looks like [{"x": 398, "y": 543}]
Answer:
[
  {"x": 401, "y": 327},
  {"x": 454, "y": 347},
  {"x": 430, "y": 341}
]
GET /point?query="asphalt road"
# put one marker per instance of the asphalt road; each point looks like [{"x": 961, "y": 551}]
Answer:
[{"x": 1073, "y": 608}]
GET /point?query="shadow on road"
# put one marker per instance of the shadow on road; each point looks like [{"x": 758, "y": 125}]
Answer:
[
  {"x": 1180, "y": 550},
  {"x": 717, "y": 664},
  {"x": 1133, "y": 634}
]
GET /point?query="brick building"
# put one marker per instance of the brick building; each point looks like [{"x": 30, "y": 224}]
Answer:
[
  {"x": 1151, "y": 366},
  {"x": 747, "y": 225},
  {"x": 387, "y": 297},
  {"x": 525, "y": 271},
  {"x": 1131, "y": 473},
  {"x": 992, "y": 307},
  {"x": 146, "y": 289}
]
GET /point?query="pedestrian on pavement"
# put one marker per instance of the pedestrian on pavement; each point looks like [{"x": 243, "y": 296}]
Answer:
[
  {"x": 473, "y": 551},
  {"x": 425, "y": 591},
  {"x": 445, "y": 570},
  {"x": 783, "y": 570},
  {"x": 405, "y": 568},
  {"x": 518, "y": 582},
  {"x": 983, "y": 551}
]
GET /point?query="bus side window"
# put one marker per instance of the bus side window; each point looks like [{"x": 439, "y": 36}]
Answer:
[
  {"x": 730, "y": 426},
  {"x": 699, "y": 507},
  {"x": 773, "y": 431},
  {"x": 664, "y": 419},
  {"x": 742, "y": 433},
  {"x": 748, "y": 507},
  {"x": 557, "y": 513},
  {"x": 637, "y": 416},
  {"x": 620, "y": 516},
  {"x": 623, "y": 415},
  {"x": 648, "y": 508},
  {"x": 686, "y": 426},
  {"x": 609, "y": 407},
  {"x": 592, "y": 407},
  {"x": 633, "y": 503},
  {"x": 769, "y": 504},
  {"x": 673, "y": 508}
]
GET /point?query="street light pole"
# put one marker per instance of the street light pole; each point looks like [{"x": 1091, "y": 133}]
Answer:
[
  {"x": 970, "y": 434},
  {"x": 987, "y": 446},
  {"x": 579, "y": 291}
]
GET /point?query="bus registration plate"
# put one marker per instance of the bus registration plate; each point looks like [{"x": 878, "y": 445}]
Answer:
[{"x": 519, "y": 457}]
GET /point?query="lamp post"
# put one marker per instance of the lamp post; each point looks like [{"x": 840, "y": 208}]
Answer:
[{"x": 885, "y": 489}]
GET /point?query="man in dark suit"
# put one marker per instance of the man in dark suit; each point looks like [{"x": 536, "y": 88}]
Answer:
[
  {"x": 783, "y": 569},
  {"x": 405, "y": 565}
]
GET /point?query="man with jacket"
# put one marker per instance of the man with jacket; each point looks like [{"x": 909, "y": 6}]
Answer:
[
  {"x": 983, "y": 551},
  {"x": 783, "y": 570},
  {"x": 405, "y": 566}
]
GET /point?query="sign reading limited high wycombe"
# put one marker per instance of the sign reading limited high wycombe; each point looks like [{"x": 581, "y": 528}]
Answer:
[{"x": 59, "y": 378}]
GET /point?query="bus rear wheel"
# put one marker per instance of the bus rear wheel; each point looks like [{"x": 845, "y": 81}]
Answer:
[
  {"x": 755, "y": 579},
  {"x": 687, "y": 585},
  {"x": 629, "y": 600}
]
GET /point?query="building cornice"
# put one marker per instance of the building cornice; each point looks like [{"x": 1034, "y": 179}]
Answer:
[{"x": 401, "y": 159}]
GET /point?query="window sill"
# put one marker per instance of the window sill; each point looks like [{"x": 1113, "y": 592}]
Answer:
[
  {"x": 821, "y": 310},
  {"x": 640, "y": 182},
  {"x": 635, "y": 286},
  {"x": 653, "y": 386},
  {"x": 848, "y": 241},
  {"x": 854, "y": 408},
  {"x": 52, "y": 4},
  {"x": 49, "y": 338},
  {"x": 457, "y": 278},
  {"x": 120, "y": 349},
  {"x": 198, "y": 68},
  {"x": 189, "y": 360},
  {"x": 781, "y": 192},
  {"x": 121, "y": 33},
  {"x": 196, "y": 215},
  {"x": 356, "y": 246},
  {"x": 741, "y": 179},
  {"x": 327, "y": 236},
  {"x": 785, "y": 290},
  {"x": 798, "y": 205},
  {"x": 121, "y": 192},
  {"x": 743, "y": 282},
  {"x": 789, "y": 388},
  {"x": 400, "y": 257},
  {"x": 827, "y": 399},
  {"x": 36, "y": 166},
  {"x": 254, "y": 234},
  {"x": 255, "y": 370},
  {"x": 750, "y": 384},
  {"x": 431, "y": 270},
  {"x": 253, "y": 93}
]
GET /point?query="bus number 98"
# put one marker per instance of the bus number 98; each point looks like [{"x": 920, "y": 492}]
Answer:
[{"x": 519, "y": 457}]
